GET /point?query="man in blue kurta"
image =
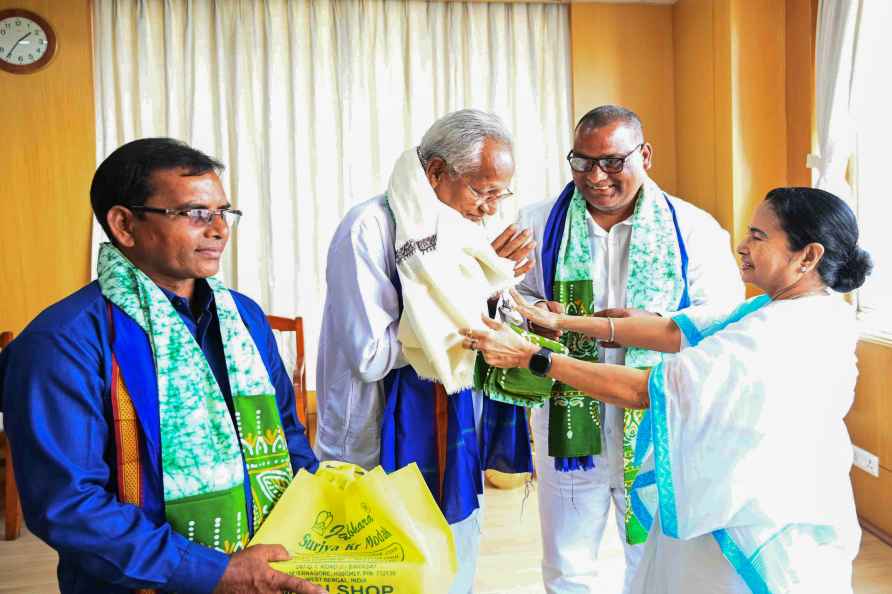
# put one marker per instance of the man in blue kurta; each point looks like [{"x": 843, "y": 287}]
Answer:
[{"x": 151, "y": 420}]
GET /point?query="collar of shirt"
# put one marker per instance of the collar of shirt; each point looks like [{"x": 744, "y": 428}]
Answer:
[
  {"x": 599, "y": 231},
  {"x": 203, "y": 298}
]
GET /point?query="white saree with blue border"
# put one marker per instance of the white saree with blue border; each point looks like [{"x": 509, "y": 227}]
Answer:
[{"x": 744, "y": 453}]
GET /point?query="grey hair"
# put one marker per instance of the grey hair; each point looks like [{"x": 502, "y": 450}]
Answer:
[{"x": 458, "y": 138}]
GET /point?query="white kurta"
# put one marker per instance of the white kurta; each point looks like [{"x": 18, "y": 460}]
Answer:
[
  {"x": 358, "y": 347},
  {"x": 358, "y": 343},
  {"x": 573, "y": 506},
  {"x": 751, "y": 456}
]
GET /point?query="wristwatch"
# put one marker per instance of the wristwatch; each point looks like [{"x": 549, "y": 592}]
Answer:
[{"x": 540, "y": 362}]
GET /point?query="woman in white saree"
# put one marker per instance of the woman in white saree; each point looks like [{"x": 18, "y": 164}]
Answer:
[{"x": 744, "y": 455}]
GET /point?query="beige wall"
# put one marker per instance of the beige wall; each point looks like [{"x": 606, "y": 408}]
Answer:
[
  {"x": 622, "y": 54},
  {"x": 48, "y": 161}
]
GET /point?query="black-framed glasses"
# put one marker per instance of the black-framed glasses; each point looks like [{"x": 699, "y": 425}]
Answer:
[
  {"x": 487, "y": 196},
  {"x": 609, "y": 165},
  {"x": 199, "y": 217}
]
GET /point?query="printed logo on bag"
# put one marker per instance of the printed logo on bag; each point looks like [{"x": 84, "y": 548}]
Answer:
[
  {"x": 381, "y": 536},
  {"x": 323, "y": 520},
  {"x": 360, "y": 535}
]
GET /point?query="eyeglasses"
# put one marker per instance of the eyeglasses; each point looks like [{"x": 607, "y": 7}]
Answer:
[
  {"x": 199, "y": 217},
  {"x": 609, "y": 165},
  {"x": 487, "y": 196}
]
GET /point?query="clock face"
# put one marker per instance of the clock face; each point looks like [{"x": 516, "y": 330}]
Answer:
[
  {"x": 22, "y": 41},
  {"x": 27, "y": 41}
]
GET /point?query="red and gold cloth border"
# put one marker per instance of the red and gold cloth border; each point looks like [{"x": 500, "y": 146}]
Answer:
[{"x": 127, "y": 445}]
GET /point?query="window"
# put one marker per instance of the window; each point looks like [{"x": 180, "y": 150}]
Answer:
[{"x": 872, "y": 179}]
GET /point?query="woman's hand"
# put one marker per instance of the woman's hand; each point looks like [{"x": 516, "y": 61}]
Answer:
[
  {"x": 617, "y": 313},
  {"x": 537, "y": 316},
  {"x": 500, "y": 345}
]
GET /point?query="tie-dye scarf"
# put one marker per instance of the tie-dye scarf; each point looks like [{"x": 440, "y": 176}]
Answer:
[
  {"x": 656, "y": 282},
  {"x": 203, "y": 454}
]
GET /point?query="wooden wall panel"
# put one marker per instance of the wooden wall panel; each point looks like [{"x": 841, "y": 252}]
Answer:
[
  {"x": 869, "y": 422},
  {"x": 873, "y": 499},
  {"x": 623, "y": 54},
  {"x": 48, "y": 159},
  {"x": 758, "y": 105},
  {"x": 695, "y": 106},
  {"x": 800, "y": 88},
  {"x": 870, "y": 419},
  {"x": 730, "y": 109}
]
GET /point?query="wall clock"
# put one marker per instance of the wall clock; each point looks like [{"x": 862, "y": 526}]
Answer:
[{"x": 27, "y": 41}]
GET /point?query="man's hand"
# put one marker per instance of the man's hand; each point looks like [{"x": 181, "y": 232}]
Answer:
[
  {"x": 248, "y": 572},
  {"x": 549, "y": 306},
  {"x": 544, "y": 318},
  {"x": 516, "y": 245},
  {"x": 619, "y": 312}
]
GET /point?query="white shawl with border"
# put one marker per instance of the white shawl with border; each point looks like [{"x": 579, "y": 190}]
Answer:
[{"x": 447, "y": 270}]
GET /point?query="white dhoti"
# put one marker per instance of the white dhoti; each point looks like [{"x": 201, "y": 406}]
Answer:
[
  {"x": 467, "y": 532},
  {"x": 467, "y": 547},
  {"x": 573, "y": 513}
]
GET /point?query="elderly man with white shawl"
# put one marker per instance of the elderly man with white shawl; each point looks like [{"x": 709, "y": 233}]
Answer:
[
  {"x": 406, "y": 270},
  {"x": 744, "y": 453},
  {"x": 613, "y": 243}
]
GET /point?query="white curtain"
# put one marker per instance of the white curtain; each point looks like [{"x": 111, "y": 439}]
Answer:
[
  {"x": 837, "y": 35},
  {"x": 309, "y": 102},
  {"x": 872, "y": 97}
]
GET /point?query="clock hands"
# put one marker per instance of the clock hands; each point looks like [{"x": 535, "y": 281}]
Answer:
[{"x": 16, "y": 44}]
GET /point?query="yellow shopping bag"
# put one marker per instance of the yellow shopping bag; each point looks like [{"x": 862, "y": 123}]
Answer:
[{"x": 358, "y": 532}]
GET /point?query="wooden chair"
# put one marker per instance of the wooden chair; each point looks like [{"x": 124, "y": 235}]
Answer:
[
  {"x": 299, "y": 377},
  {"x": 12, "y": 506}
]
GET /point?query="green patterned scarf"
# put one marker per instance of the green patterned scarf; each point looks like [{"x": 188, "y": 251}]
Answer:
[
  {"x": 517, "y": 386},
  {"x": 655, "y": 283},
  {"x": 202, "y": 452}
]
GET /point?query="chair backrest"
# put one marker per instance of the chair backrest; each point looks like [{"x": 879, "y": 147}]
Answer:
[
  {"x": 299, "y": 375},
  {"x": 5, "y": 338},
  {"x": 12, "y": 512}
]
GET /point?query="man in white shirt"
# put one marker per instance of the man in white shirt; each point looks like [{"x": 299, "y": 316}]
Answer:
[
  {"x": 611, "y": 244},
  {"x": 366, "y": 414}
]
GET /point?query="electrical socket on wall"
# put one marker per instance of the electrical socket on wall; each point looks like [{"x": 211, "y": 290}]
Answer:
[{"x": 867, "y": 461}]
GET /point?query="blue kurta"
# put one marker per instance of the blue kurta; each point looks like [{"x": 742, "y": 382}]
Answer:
[{"x": 55, "y": 385}]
